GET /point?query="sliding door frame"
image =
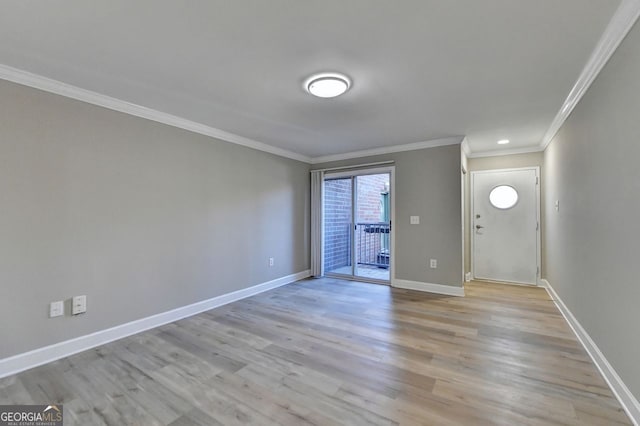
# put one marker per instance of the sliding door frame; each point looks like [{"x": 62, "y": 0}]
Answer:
[{"x": 391, "y": 170}]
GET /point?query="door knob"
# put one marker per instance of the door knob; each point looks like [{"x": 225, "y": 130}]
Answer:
[{"x": 479, "y": 226}]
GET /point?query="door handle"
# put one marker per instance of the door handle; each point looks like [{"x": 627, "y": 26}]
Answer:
[{"x": 479, "y": 226}]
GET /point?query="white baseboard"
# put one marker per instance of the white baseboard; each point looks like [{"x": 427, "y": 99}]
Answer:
[
  {"x": 44, "y": 355},
  {"x": 428, "y": 287},
  {"x": 620, "y": 390},
  {"x": 467, "y": 276}
]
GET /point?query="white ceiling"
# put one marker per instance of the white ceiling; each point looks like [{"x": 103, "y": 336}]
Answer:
[{"x": 421, "y": 70}]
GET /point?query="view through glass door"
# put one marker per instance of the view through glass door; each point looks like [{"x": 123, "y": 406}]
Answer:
[{"x": 357, "y": 226}]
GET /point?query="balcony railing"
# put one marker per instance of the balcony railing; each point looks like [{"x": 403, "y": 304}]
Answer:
[{"x": 372, "y": 243}]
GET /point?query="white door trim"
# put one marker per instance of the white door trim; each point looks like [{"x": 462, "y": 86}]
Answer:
[{"x": 538, "y": 216}]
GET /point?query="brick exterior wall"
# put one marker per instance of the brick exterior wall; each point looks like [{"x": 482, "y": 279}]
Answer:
[
  {"x": 368, "y": 245},
  {"x": 337, "y": 223},
  {"x": 369, "y": 190}
]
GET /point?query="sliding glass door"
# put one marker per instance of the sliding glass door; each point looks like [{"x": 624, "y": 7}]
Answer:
[{"x": 357, "y": 225}]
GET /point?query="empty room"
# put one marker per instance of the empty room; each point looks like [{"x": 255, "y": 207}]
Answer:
[{"x": 286, "y": 212}]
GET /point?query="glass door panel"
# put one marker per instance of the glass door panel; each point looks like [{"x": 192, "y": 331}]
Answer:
[
  {"x": 373, "y": 226},
  {"x": 338, "y": 226}
]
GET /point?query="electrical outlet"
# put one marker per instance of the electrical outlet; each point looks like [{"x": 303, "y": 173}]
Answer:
[
  {"x": 414, "y": 220},
  {"x": 433, "y": 263},
  {"x": 78, "y": 305},
  {"x": 557, "y": 205},
  {"x": 271, "y": 261},
  {"x": 56, "y": 309}
]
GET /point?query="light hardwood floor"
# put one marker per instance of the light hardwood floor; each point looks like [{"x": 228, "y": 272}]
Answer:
[{"x": 330, "y": 352}]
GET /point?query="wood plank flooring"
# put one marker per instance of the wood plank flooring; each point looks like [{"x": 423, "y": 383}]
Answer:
[{"x": 332, "y": 352}]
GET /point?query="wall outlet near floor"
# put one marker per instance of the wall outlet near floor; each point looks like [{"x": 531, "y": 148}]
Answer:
[
  {"x": 79, "y": 305},
  {"x": 271, "y": 261},
  {"x": 414, "y": 220},
  {"x": 433, "y": 263},
  {"x": 56, "y": 309}
]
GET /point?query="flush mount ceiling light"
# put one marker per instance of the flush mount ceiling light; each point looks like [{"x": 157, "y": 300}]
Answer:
[
  {"x": 327, "y": 85},
  {"x": 503, "y": 142}
]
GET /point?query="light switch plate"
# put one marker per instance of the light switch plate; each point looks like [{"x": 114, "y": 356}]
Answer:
[
  {"x": 56, "y": 309},
  {"x": 79, "y": 305},
  {"x": 414, "y": 220}
]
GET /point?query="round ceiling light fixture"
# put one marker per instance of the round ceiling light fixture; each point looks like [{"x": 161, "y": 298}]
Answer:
[
  {"x": 503, "y": 142},
  {"x": 327, "y": 85}
]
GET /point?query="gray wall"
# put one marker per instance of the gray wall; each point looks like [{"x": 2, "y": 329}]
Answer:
[
  {"x": 427, "y": 185},
  {"x": 491, "y": 163},
  {"x": 506, "y": 161},
  {"x": 593, "y": 241},
  {"x": 139, "y": 216}
]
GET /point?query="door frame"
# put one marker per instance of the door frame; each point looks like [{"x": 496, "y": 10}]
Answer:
[
  {"x": 538, "y": 219},
  {"x": 391, "y": 170}
]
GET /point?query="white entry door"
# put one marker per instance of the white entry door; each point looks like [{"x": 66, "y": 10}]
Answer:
[{"x": 504, "y": 225}]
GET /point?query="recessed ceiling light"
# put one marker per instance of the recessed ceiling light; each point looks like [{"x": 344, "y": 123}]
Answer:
[
  {"x": 327, "y": 85},
  {"x": 503, "y": 142}
]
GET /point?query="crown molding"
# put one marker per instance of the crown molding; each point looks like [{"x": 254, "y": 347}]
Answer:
[
  {"x": 46, "y": 84},
  {"x": 501, "y": 152},
  {"x": 464, "y": 145},
  {"x": 454, "y": 140},
  {"x": 619, "y": 26}
]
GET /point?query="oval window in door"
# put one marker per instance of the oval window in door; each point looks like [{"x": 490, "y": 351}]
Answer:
[{"x": 503, "y": 197}]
